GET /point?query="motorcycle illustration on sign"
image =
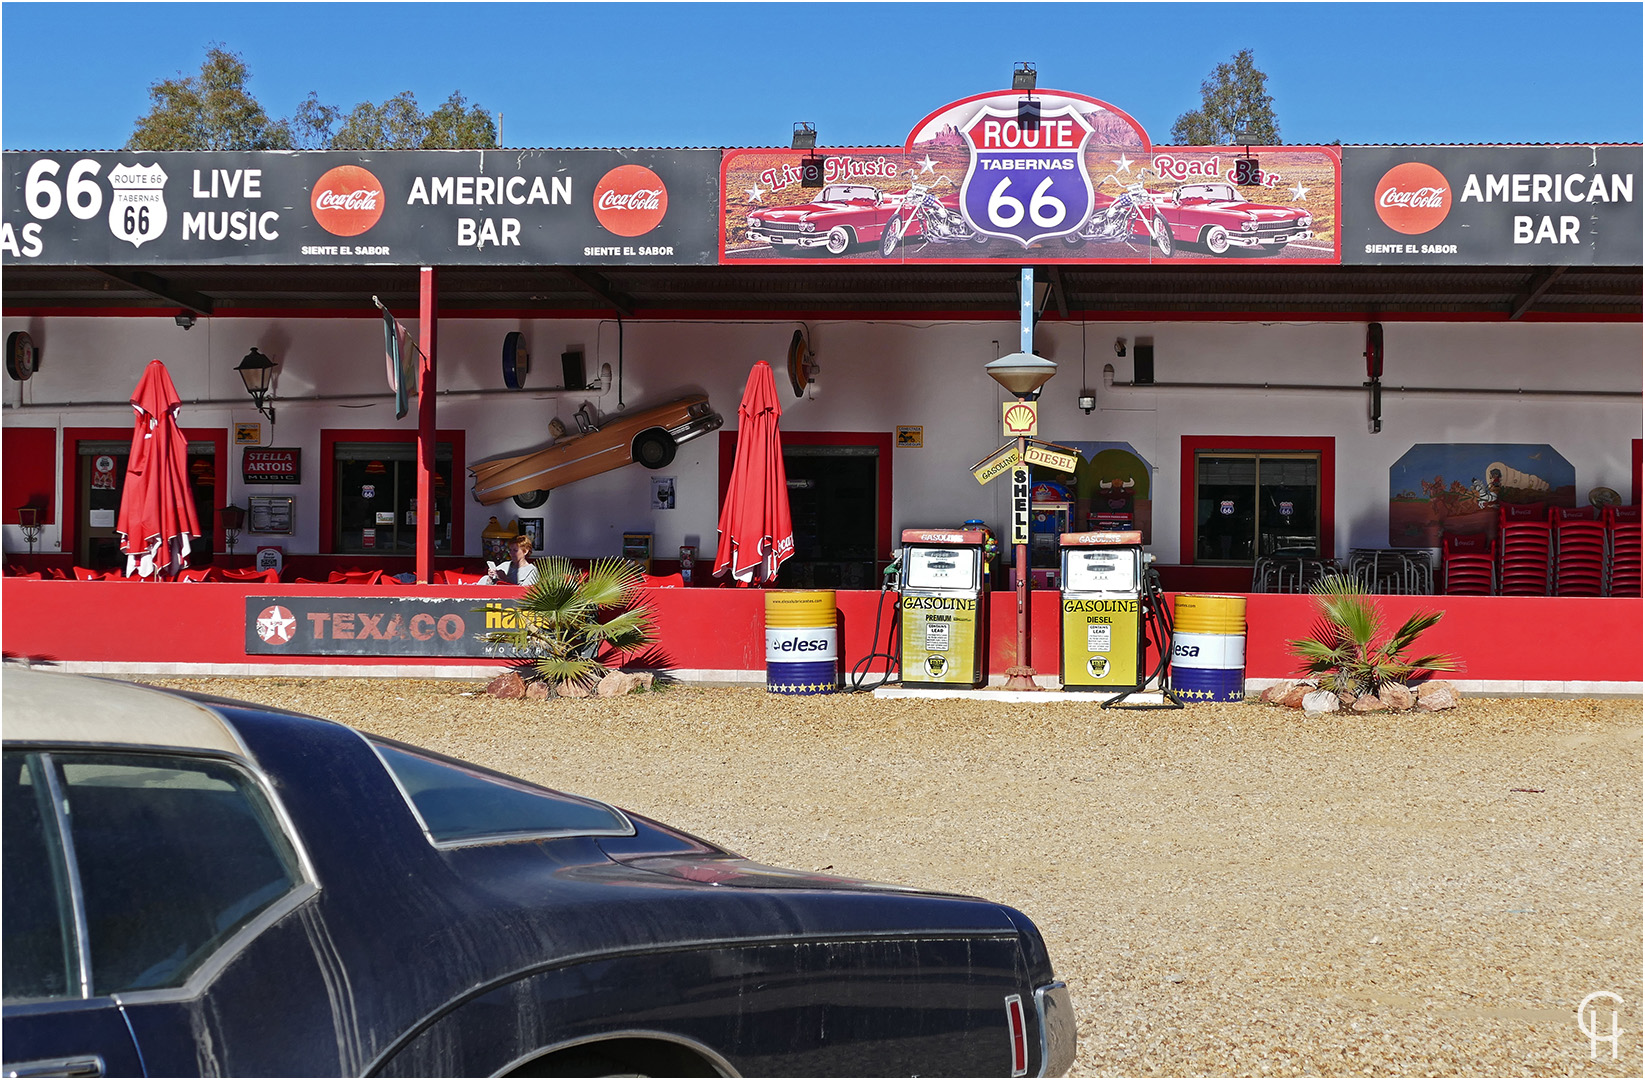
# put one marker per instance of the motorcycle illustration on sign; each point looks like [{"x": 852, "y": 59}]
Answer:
[
  {"x": 1130, "y": 217},
  {"x": 1026, "y": 179},
  {"x": 922, "y": 214}
]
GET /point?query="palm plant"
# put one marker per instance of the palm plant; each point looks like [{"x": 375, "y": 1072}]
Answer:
[
  {"x": 1348, "y": 651},
  {"x": 557, "y": 626}
]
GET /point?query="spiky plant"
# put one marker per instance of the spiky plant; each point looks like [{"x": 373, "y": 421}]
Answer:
[
  {"x": 1348, "y": 651},
  {"x": 557, "y": 626}
]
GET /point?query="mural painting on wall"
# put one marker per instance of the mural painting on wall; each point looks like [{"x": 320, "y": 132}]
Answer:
[
  {"x": 1111, "y": 488},
  {"x": 1457, "y": 488},
  {"x": 976, "y": 182}
]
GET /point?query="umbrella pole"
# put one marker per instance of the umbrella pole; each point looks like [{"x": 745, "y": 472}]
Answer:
[{"x": 428, "y": 301}]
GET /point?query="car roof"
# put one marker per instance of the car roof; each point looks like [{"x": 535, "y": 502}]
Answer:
[{"x": 52, "y": 707}]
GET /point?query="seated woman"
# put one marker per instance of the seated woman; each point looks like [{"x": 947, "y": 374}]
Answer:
[{"x": 520, "y": 570}]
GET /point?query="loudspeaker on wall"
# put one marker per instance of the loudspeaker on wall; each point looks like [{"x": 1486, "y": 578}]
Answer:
[{"x": 1144, "y": 365}]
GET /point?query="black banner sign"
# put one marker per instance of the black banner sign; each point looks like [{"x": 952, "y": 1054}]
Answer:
[
  {"x": 1492, "y": 205},
  {"x": 390, "y": 207},
  {"x": 373, "y": 626}
]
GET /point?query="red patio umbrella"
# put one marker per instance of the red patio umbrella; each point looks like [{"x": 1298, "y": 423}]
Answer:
[
  {"x": 756, "y": 533},
  {"x": 156, "y": 507}
]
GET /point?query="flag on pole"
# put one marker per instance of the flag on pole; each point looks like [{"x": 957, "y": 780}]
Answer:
[{"x": 401, "y": 352}]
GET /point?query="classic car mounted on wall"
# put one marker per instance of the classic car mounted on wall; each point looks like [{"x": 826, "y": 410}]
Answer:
[{"x": 650, "y": 437}]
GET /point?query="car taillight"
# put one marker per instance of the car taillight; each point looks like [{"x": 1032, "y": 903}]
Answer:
[{"x": 1018, "y": 1025}]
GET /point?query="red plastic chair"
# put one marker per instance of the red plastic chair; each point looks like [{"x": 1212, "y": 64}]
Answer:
[
  {"x": 204, "y": 573},
  {"x": 56, "y": 573},
  {"x": 271, "y": 576},
  {"x": 1468, "y": 565},
  {"x": 458, "y": 577},
  {"x": 354, "y": 577}
]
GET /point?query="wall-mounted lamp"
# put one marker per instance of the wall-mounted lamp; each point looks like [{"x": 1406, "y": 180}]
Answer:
[
  {"x": 1119, "y": 346},
  {"x": 257, "y": 372},
  {"x": 1088, "y": 400},
  {"x": 185, "y": 319},
  {"x": 233, "y": 519},
  {"x": 1247, "y": 169},
  {"x": 28, "y": 519},
  {"x": 805, "y": 136},
  {"x": 811, "y": 166},
  {"x": 1028, "y": 109}
]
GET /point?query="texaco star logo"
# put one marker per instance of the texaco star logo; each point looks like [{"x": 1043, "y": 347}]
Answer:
[{"x": 276, "y": 625}]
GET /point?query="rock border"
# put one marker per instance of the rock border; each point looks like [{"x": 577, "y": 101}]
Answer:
[
  {"x": 1307, "y": 695},
  {"x": 511, "y": 685}
]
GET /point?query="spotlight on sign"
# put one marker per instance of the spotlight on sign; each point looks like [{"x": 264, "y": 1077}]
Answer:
[
  {"x": 805, "y": 136},
  {"x": 1024, "y": 76}
]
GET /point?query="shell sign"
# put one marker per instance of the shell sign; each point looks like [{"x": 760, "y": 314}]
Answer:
[{"x": 1022, "y": 419}]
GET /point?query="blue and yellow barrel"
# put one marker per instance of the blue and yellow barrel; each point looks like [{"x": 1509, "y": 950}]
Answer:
[
  {"x": 801, "y": 642},
  {"x": 1208, "y": 648}
]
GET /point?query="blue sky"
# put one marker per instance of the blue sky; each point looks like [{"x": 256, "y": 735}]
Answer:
[{"x": 76, "y": 76}]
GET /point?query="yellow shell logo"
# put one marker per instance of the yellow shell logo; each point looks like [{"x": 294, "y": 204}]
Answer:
[{"x": 1019, "y": 418}]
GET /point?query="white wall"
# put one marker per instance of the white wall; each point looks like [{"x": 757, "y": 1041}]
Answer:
[{"x": 874, "y": 376}]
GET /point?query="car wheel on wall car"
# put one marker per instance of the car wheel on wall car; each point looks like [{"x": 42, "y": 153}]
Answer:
[
  {"x": 1216, "y": 239},
  {"x": 530, "y": 500},
  {"x": 839, "y": 240},
  {"x": 654, "y": 449}
]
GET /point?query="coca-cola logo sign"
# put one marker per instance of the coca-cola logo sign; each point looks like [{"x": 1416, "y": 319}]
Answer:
[
  {"x": 630, "y": 200},
  {"x": 347, "y": 201},
  {"x": 1413, "y": 198}
]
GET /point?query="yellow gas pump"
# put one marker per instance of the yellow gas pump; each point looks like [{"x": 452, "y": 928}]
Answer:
[
  {"x": 943, "y": 622},
  {"x": 1102, "y": 611}
]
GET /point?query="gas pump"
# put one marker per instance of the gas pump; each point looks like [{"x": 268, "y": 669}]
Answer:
[
  {"x": 1112, "y": 606},
  {"x": 943, "y": 625},
  {"x": 1102, "y": 611}
]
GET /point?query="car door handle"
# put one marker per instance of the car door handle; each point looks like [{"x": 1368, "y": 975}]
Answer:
[{"x": 79, "y": 1065}]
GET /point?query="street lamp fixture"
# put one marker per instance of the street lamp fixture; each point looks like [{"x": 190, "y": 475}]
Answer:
[
  {"x": 1022, "y": 374},
  {"x": 257, "y": 372}
]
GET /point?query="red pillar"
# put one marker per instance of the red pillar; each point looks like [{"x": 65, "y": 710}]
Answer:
[{"x": 428, "y": 302}]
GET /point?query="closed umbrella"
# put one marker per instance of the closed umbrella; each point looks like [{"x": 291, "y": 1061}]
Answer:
[
  {"x": 756, "y": 532},
  {"x": 157, "y": 506}
]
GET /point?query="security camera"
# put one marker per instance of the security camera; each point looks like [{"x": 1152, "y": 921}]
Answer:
[
  {"x": 1119, "y": 346},
  {"x": 185, "y": 319}
]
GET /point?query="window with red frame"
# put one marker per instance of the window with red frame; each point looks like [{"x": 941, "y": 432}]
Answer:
[
  {"x": 1249, "y": 504},
  {"x": 375, "y": 493}
]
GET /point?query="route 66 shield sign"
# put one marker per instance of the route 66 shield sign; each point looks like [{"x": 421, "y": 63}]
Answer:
[
  {"x": 1026, "y": 182},
  {"x": 137, "y": 210}
]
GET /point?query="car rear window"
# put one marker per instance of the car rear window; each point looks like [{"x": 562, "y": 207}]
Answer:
[{"x": 460, "y": 804}]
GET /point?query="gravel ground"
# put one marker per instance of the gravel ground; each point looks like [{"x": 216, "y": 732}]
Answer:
[{"x": 1228, "y": 889}]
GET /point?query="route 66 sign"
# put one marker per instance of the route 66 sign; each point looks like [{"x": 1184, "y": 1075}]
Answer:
[
  {"x": 137, "y": 211},
  {"x": 1027, "y": 182}
]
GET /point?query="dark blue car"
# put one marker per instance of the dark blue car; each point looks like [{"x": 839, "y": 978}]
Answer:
[{"x": 205, "y": 887}]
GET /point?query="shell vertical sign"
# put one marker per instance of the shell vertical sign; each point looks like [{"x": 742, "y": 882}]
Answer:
[{"x": 1070, "y": 179}]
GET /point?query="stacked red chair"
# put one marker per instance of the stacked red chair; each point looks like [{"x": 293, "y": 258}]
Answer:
[
  {"x": 1579, "y": 551},
  {"x": 1468, "y": 565},
  {"x": 1622, "y": 550},
  {"x": 1525, "y": 550}
]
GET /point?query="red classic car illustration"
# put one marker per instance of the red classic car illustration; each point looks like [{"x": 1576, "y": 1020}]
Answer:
[
  {"x": 840, "y": 216},
  {"x": 1218, "y": 217}
]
